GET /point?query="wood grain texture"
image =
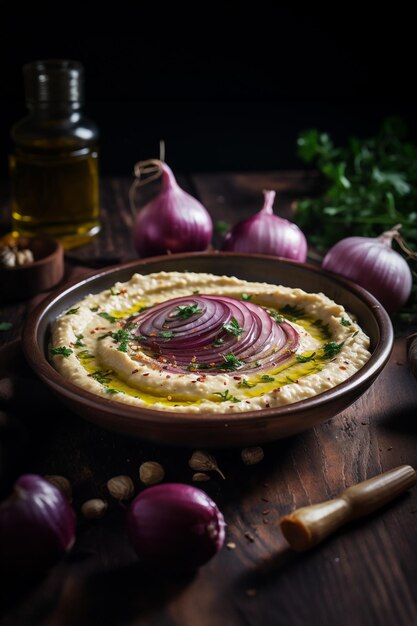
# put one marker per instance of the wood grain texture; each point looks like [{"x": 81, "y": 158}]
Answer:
[{"x": 366, "y": 574}]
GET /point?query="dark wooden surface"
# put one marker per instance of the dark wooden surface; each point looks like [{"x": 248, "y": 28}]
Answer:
[{"x": 366, "y": 574}]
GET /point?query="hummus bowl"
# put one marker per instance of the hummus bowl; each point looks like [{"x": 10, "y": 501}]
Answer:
[{"x": 205, "y": 427}]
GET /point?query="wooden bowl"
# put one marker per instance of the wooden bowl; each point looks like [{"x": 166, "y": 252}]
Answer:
[
  {"x": 208, "y": 429},
  {"x": 47, "y": 269}
]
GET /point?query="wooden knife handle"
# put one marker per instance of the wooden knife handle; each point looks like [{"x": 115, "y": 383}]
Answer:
[{"x": 307, "y": 526}]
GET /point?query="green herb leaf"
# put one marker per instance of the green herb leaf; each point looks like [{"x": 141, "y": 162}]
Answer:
[
  {"x": 244, "y": 383},
  {"x": 122, "y": 336},
  {"x": 61, "y": 351},
  {"x": 226, "y": 396},
  {"x": 5, "y": 326},
  {"x": 292, "y": 313},
  {"x": 233, "y": 327},
  {"x": 166, "y": 334},
  {"x": 231, "y": 362},
  {"x": 108, "y": 317},
  {"x": 265, "y": 378},
  {"x": 345, "y": 322},
  {"x": 303, "y": 358},
  {"x": 275, "y": 316},
  {"x": 79, "y": 343},
  {"x": 218, "y": 342},
  {"x": 184, "y": 311},
  {"x": 94, "y": 309},
  {"x": 72, "y": 311},
  {"x": 246, "y": 297},
  {"x": 114, "y": 293},
  {"x": 85, "y": 354},
  {"x": 196, "y": 291},
  {"x": 102, "y": 376},
  {"x": 111, "y": 391},
  {"x": 331, "y": 349}
]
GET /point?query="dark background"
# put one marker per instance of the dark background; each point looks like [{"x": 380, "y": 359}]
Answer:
[{"x": 226, "y": 91}]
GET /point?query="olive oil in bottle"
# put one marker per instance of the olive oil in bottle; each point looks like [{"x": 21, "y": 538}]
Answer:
[{"x": 54, "y": 165}]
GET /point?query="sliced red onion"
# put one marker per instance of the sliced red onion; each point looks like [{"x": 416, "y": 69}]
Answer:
[
  {"x": 202, "y": 340},
  {"x": 266, "y": 233},
  {"x": 373, "y": 264},
  {"x": 173, "y": 221},
  {"x": 176, "y": 525},
  {"x": 37, "y": 527}
]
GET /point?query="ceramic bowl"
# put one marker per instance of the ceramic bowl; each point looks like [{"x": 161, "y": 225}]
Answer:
[
  {"x": 46, "y": 271},
  {"x": 209, "y": 429}
]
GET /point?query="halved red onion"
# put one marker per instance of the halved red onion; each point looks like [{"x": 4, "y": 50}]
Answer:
[{"x": 201, "y": 340}]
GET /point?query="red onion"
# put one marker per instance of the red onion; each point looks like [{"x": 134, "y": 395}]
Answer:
[
  {"x": 266, "y": 233},
  {"x": 173, "y": 221},
  {"x": 373, "y": 264},
  {"x": 201, "y": 341},
  {"x": 176, "y": 525},
  {"x": 37, "y": 526}
]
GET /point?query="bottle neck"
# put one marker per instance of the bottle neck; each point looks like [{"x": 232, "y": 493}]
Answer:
[{"x": 55, "y": 110}]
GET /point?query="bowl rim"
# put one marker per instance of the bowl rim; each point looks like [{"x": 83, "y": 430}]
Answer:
[
  {"x": 56, "y": 251},
  {"x": 38, "y": 361}
]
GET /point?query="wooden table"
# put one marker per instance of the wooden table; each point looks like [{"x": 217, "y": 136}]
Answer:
[{"x": 366, "y": 574}]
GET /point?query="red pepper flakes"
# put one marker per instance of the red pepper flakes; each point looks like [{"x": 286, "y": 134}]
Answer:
[
  {"x": 167, "y": 376},
  {"x": 225, "y": 383},
  {"x": 212, "y": 364},
  {"x": 347, "y": 362},
  {"x": 147, "y": 374},
  {"x": 267, "y": 405},
  {"x": 342, "y": 367},
  {"x": 135, "y": 371},
  {"x": 92, "y": 332},
  {"x": 276, "y": 390},
  {"x": 201, "y": 380},
  {"x": 237, "y": 377},
  {"x": 123, "y": 291}
]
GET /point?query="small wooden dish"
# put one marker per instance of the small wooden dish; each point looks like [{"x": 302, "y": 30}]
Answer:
[{"x": 47, "y": 269}]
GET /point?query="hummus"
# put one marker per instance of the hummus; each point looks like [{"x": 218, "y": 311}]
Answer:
[{"x": 198, "y": 342}]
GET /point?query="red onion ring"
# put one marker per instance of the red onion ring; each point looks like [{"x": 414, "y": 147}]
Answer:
[{"x": 261, "y": 343}]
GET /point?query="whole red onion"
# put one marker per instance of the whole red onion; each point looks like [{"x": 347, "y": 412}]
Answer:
[
  {"x": 373, "y": 264},
  {"x": 173, "y": 221},
  {"x": 176, "y": 525},
  {"x": 266, "y": 233},
  {"x": 37, "y": 526}
]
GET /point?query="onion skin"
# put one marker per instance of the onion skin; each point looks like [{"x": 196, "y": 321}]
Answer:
[
  {"x": 374, "y": 265},
  {"x": 37, "y": 527},
  {"x": 172, "y": 222},
  {"x": 266, "y": 233},
  {"x": 175, "y": 525}
]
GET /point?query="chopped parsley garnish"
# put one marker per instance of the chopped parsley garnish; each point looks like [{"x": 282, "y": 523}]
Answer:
[
  {"x": 111, "y": 391},
  {"x": 231, "y": 362},
  {"x": 244, "y": 383},
  {"x": 221, "y": 228},
  {"x": 114, "y": 293},
  {"x": 194, "y": 367},
  {"x": 303, "y": 358},
  {"x": 94, "y": 309},
  {"x": 102, "y": 376},
  {"x": 226, "y": 396},
  {"x": 85, "y": 354},
  {"x": 72, "y": 311},
  {"x": 218, "y": 342},
  {"x": 196, "y": 291},
  {"x": 79, "y": 343},
  {"x": 184, "y": 311},
  {"x": 331, "y": 349},
  {"x": 292, "y": 313},
  {"x": 278, "y": 318},
  {"x": 60, "y": 351},
  {"x": 167, "y": 334},
  {"x": 246, "y": 296},
  {"x": 233, "y": 327},
  {"x": 265, "y": 378},
  {"x": 5, "y": 325},
  {"x": 355, "y": 333},
  {"x": 122, "y": 336},
  {"x": 108, "y": 317},
  {"x": 324, "y": 328},
  {"x": 345, "y": 322}
]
